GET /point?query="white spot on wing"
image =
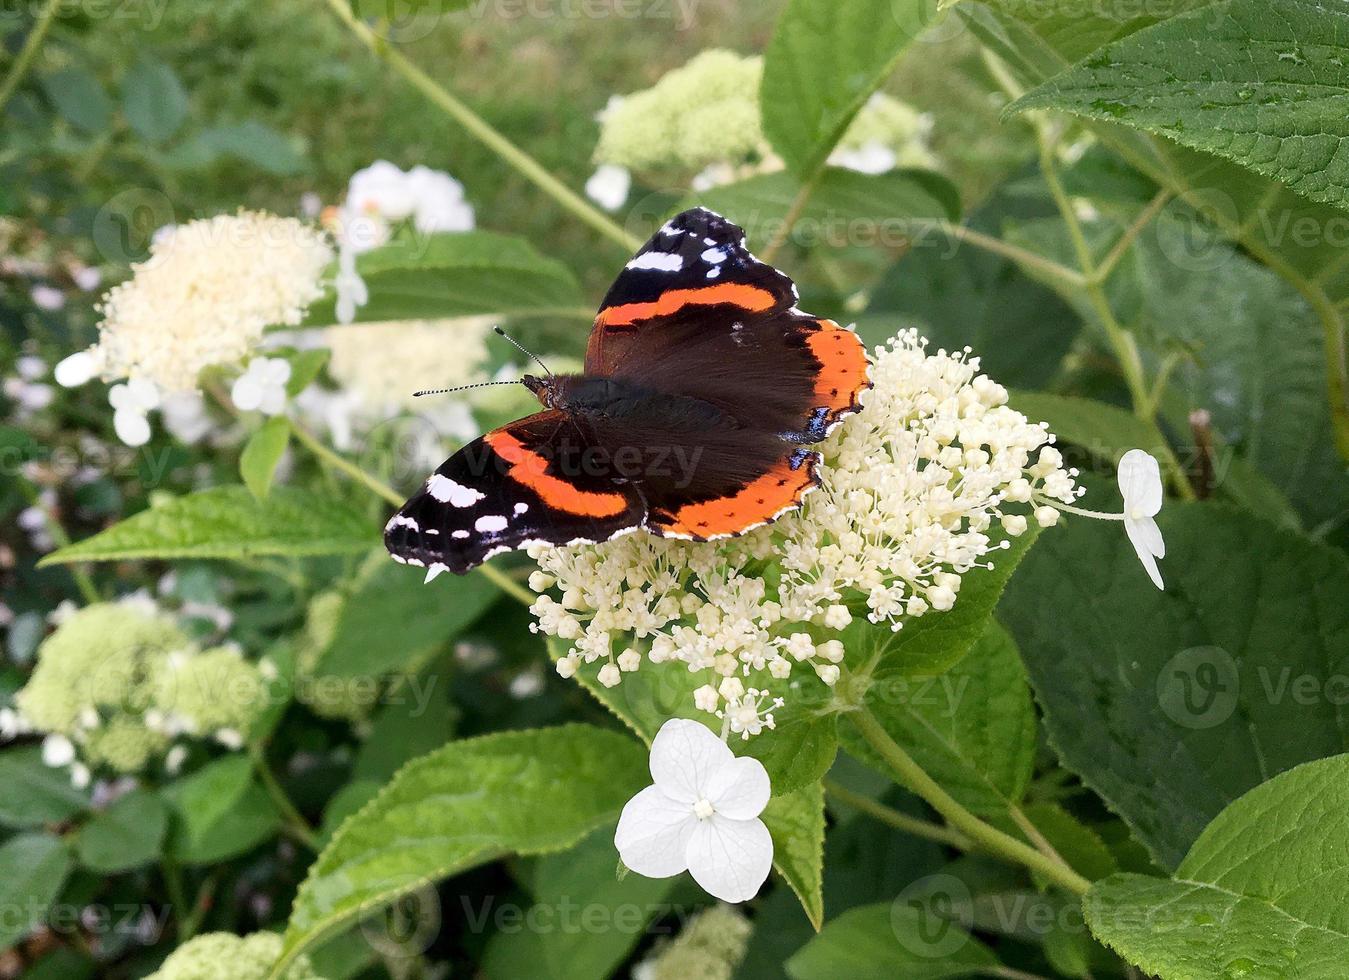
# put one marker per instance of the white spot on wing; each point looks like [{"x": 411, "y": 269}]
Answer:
[
  {"x": 399, "y": 520},
  {"x": 460, "y": 535},
  {"x": 435, "y": 569},
  {"x": 520, "y": 509},
  {"x": 714, "y": 255},
  {"x": 455, "y": 494},
  {"x": 490, "y": 524},
  {"x": 659, "y": 261}
]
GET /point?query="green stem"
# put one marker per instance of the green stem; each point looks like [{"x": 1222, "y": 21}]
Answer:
[
  {"x": 1130, "y": 235},
  {"x": 295, "y": 822},
  {"x": 1120, "y": 339},
  {"x": 982, "y": 835},
  {"x": 524, "y": 164},
  {"x": 1069, "y": 278},
  {"x": 88, "y": 591},
  {"x": 338, "y": 462},
  {"x": 892, "y": 817},
  {"x": 793, "y": 215},
  {"x": 173, "y": 884},
  {"x": 28, "y": 52}
]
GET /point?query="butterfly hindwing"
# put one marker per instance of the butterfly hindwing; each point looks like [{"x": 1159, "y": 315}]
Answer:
[{"x": 528, "y": 481}]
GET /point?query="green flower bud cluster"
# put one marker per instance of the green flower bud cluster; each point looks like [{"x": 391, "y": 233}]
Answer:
[
  {"x": 706, "y": 114},
  {"x": 711, "y": 946},
  {"x": 121, "y": 682},
  {"x": 223, "y": 956}
]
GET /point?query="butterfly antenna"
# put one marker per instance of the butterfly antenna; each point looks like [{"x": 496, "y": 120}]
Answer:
[
  {"x": 446, "y": 391},
  {"x": 522, "y": 350}
]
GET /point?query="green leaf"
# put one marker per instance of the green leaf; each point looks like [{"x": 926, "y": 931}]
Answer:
[
  {"x": 583, "y": 923},
  {"x": 823, "y": 63},
  {"x": 795, "y": 821},
  {"x": 796, "y": 753},
  {"x": 126, "y": 835},
  {"x": 221, "y": 812},
  {"x": 972, "y": 728},
  {"x": 259, "y": 459},
  {"x": 845, "y": 207},
  {"x": 255, "y": 143},
  {"x": 427, "y": 617},
  {"x": 887, "y": 941},
  {"x": 1245, "y": 80},
  {"x": 417, "y": 718},
  {"x": 527, "y": 792},
  {"x": 35, "y": 793},
  {"x": 1075, "y": 842},
  {"x": 204, "y": 798},
  {"x": 458, "y": 274},
  {"x": 1105, "y": 431},
  {"x": 229, "y": 522},
  {"x": 1260, "y": 894},
  {"x": 934, "y": 642},
  {"x": 1179, "y": 701},
  {"x": 33, "y": 867},
  {"x": 80, "y": 98},
  {"x": 153, "y": 100},
  {"x": 305, "y": 366}
]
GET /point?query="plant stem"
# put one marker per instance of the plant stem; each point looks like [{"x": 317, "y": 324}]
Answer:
[
  {"x": 1130, "y": 235},
  {"x": 900, "y": 821},
  {"x": 789, "y": 220},
  {"x": 88, "y": 591},
  {"x": 1070, "y": 278},
  {"x": 1033, "y": 835},
  {"x": 173, "y": 884},
  {"x": 24, "y": 60},
  {"x": 1120, "y": 339},
  {"x": 982, "y": 835},
  {"x": 524, "y": 164},
  {"x": 295, "y": 822},
  {"x": 381, "y": 489}
]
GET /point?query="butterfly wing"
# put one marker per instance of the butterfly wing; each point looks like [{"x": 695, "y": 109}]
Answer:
[
  {"x": 695, "y": 314},
  {"x": 532, "y": 480}
]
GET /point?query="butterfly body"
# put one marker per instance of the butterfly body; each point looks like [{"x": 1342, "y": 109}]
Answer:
[{"x": 704, "y": 387}]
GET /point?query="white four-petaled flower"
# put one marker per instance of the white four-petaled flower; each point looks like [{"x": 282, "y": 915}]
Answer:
[
  {"x": 702, "y": 815},
  {"x": 1140, "y": 483},
  {"x": 131, "y": 403},
  {"x": 262, "y": 386}
]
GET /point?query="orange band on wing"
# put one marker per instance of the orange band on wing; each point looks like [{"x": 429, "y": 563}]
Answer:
[
  {"x": 770, "y": 494},
  {"x": 751, "y": 298},
  {"x": 843, "y": 368},
  {"x": 530, "y": 469}
]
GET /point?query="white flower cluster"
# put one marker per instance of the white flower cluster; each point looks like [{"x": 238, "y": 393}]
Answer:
[
  {"x": 912, "y": 488},
  {"x": 204, "y": 296}
]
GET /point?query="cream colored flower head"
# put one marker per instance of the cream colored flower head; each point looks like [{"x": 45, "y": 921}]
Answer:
[
  {"x": 203, "y": 297},
  {"x": 371, "y": 359},
  {"x": 917, "y": 489}
]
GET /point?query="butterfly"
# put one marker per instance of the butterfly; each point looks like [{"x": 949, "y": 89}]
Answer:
[{"x": 704, "y": 388}]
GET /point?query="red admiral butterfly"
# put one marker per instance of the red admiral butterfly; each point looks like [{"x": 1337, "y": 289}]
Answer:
[{"x": 703, "y": 385}]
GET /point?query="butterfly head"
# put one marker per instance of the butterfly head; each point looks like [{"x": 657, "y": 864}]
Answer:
[{"x": 545, "y": 390}]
